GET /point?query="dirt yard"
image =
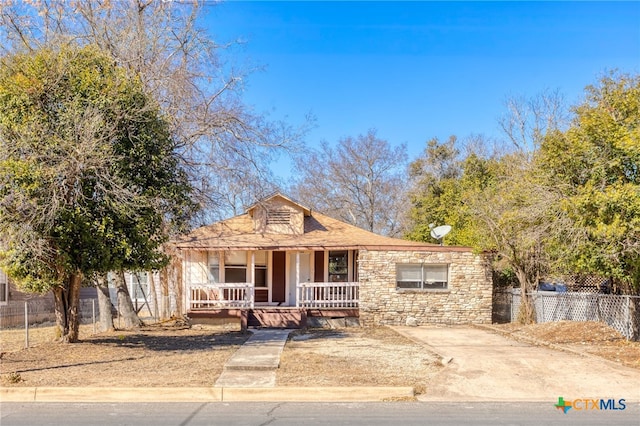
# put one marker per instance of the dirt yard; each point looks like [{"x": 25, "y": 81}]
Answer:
[
  {"x": 175, "y": 355},
  {"x": 180, "y": 356},
  {"x": 355, "y": 357},
  {"x": 592, "y": 337}
]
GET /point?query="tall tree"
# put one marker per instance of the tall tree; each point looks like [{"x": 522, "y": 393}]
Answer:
[
  {"x": 195, "y": 83},
  {"x": 361, "y": 181},
  {"x": 89, "y": 174},
  {"x": 220, "y": 141},
  {"x": 442, "y": 179},
  {"x": 517, "y": 216},
  {"x": 596, "y": 165}
]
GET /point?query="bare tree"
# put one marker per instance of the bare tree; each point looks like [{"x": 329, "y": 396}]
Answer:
[
  {"x": 219, "y": 139},
  {"x": 518, "y": 215},
  {"x": 362, "y": 181},
  {"x": 181, "y": 66},
  {"x": 527, "y": 120}
]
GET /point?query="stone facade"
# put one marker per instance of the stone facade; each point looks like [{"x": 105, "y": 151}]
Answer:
[{"x": 468, "y": 298}]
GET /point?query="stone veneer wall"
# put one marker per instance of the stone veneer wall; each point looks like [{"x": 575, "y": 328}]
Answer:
[{"x": 467, "y": 300}]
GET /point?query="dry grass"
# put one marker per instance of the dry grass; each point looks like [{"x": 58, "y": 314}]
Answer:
[
  {"x": 355, "y": 357},
  {"x": 592, "y": 337},
  {"x": 175, "y": 356},
  {"x": 152, "y": 356}
]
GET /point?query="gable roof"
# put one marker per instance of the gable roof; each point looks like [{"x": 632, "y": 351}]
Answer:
[
  {"x": 251, "y": 208},
  {"x": 320, "y": 233}
]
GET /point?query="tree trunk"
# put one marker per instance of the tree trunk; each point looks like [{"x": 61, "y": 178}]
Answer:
[
  {"x": 164, "y": 298},
  {"x": 526, "y": 313},
  {"x": 125, "y": 307},
  {"x": 66, "y": 305},
  {"x": 154, "y": 295},
  {"x": 104, "y": 303}
]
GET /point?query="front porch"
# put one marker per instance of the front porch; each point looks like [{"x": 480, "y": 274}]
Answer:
[
  {"x": 334, "y": 295},
  {"x": 316, "y": 304}
]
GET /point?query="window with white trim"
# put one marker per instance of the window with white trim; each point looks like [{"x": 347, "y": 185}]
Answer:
[
  {"x": 4, "y": 288},
  {"x": 260, "y": 268},
  {"x": 338, "y": 266},
  {"x": 422, "y": 276},
  {"x": 235, "y": 267},
  {"x": 214, "y": 268}
]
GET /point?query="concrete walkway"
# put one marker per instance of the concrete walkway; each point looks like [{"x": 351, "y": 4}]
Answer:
[{"x": 254, "y": 365}]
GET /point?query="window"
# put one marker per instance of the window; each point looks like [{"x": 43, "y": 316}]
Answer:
[
  {"x": 260, "y": 268},
  {"x": 422, "y": 276},
  {"x": 139, "y": 285},
  {"x": 214, "y": 268},
  {"x": 4, "y": 288},
  {"x": 338, "y": 266},
  {"x": 235, "y": 267}
]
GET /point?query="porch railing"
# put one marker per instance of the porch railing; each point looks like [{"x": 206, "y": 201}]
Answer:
[
  {"x": 328, "y": 295},
  {"x": 227, "y": 295}
]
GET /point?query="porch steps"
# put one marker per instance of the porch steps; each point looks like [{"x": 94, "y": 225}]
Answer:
[{"x": 277, "y": 317}]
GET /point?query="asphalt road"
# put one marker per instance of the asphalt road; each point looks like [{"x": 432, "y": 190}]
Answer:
[{"x": 277, "y": 414}]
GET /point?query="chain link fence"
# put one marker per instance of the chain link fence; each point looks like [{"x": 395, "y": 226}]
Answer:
[
  {"x": 619, "y": 312},
  {"x": 37, "y": 312},
  {"x": 27, "y": 323}
]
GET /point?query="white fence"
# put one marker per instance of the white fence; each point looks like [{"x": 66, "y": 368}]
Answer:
[
  {"x": 619, "y": 312},
  {"x": 229, "y": 295},
  {"x": 329, "y": 295}
]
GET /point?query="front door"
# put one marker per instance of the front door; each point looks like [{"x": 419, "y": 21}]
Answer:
[
  {"x": 304, "y": 274},
  {"x": 279, "y": 277}
]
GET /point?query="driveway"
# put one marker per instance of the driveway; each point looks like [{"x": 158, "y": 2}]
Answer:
[{"x": 485, "y": 366}]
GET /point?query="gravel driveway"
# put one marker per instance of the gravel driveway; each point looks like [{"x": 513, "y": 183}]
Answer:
[{"x": 485, "y": 366}]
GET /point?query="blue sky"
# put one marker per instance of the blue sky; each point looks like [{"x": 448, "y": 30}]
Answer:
[{"x": 417, "y": 70}]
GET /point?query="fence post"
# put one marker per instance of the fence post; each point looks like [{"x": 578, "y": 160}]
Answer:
[
  {"x": 93, "y": 313},
  {"x": 26, "y": 325},
  {"x": 628, "y": 319}
]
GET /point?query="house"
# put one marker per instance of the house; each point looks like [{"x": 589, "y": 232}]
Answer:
[
  {"x": 12, "y": 305},
  {"x": 280, "y": 264}
]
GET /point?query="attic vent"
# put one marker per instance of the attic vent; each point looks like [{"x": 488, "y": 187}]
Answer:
[{"x": 278, "y": 217}]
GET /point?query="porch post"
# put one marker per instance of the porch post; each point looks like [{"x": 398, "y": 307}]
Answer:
[
  {"x": 297, "y": 279},
  {"x": 186, "y": 279},
  {"x": 252, "y": 279}
]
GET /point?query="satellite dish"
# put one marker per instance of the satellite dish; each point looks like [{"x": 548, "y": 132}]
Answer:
[{"x": 440, "y": 231}]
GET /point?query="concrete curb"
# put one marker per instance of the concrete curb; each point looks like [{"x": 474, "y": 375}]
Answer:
[{"x": 205, "y": 394}]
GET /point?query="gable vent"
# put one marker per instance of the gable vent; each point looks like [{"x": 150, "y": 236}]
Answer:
[{"x": 278, "y": 217}]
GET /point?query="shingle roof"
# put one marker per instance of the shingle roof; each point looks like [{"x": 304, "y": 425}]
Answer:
[{"x": 320, "y": 233}]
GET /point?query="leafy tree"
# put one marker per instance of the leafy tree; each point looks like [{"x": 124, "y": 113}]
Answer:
[
  {"x": 89, "y": 175},
  {"x": 517, "y": 216},
  {"x": 189, "y": 74},
  {"x": 360, "y": 181},
  {"x": 595, "y": 164},
  {"x": 443, "y": 181}
]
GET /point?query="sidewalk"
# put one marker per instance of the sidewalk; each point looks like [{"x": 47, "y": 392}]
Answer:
[{"x": 254, "y": 365}]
